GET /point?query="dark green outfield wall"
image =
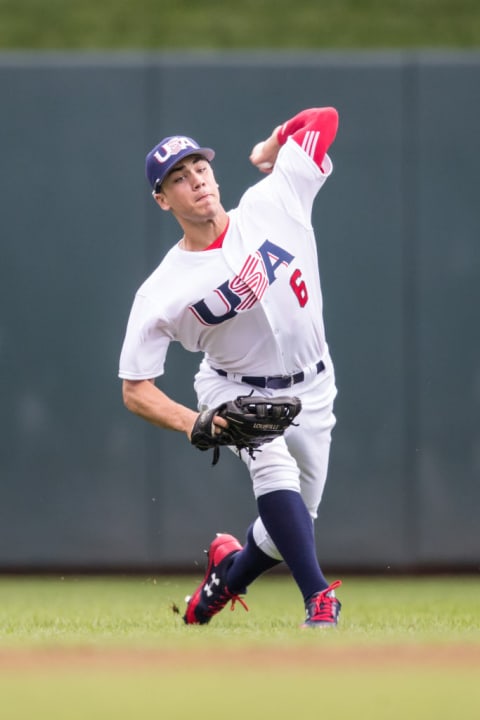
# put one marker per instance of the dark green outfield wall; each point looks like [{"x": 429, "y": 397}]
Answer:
[{"x": 83, "y": 483}]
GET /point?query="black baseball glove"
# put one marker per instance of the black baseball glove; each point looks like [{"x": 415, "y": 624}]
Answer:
[{"x": 252, "y": 421}]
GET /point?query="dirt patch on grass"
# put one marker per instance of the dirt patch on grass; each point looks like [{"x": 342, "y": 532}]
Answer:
[{"x": 378, "y": 657}]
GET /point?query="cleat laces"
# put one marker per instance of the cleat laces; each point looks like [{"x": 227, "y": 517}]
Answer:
[
  {"x": 221, "y": 600},
  {"x": 324, "y": 604}
]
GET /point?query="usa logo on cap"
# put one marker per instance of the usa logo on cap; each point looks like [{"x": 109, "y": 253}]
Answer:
[
  {"x": 173, "y": 146},
  {"x": 168, "y": 152}
]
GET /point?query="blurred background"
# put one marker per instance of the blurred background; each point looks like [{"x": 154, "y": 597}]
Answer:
[{"x": 86, "y": 90}]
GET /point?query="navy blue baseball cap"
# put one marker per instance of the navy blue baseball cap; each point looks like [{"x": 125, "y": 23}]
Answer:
[{"x": 161, "y": 159}]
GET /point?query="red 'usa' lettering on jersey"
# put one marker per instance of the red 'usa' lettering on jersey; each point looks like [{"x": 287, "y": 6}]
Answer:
[
  {"x": 314, "y": 130},
  {"x": 244, "y": 290},
  {"x": 254, "y": 276}
]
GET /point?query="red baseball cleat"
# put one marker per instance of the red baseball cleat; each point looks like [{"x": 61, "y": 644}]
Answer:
[{"x": 212, "y": 594}]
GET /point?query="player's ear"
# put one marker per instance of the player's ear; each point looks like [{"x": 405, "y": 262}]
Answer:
[{"x": 161, "y": 200}]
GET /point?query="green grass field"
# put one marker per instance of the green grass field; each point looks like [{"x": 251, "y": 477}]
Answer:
[
  {"x": 228, "y": 24},
  {"x": 113, "y": 648}
]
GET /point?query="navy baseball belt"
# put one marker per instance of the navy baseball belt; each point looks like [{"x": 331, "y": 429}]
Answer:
[{"x": 273, "y": 382}]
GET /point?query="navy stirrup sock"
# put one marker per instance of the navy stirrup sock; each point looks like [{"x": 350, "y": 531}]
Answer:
[
  {"x": 248, "y": 564},
  {"x": 290, "y": 526}
]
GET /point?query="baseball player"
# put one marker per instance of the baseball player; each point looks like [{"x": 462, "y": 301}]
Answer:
[{"x": 243, "y": 287}]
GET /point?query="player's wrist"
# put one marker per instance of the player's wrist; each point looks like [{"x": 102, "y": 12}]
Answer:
[
  {"x": 264, "y": 154},
  {"x": 273, "y": 142}
]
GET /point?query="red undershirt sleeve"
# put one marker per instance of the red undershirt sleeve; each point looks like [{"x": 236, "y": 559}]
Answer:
[{"x": 314, "y": 130}]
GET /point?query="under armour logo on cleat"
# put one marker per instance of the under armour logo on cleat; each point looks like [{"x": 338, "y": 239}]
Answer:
[{"x": 208, "y": 587}]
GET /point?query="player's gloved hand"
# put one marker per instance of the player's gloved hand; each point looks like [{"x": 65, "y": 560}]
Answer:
[{"x": 252, "y": 421}]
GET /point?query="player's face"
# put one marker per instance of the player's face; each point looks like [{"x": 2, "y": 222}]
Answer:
[{"x": 190, "y": 190}]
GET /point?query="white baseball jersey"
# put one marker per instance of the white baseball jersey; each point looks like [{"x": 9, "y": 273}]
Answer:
[{"x": 253, "y": 306}]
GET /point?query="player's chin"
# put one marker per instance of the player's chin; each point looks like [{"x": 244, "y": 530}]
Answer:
[{"x": 207, "y": 208}]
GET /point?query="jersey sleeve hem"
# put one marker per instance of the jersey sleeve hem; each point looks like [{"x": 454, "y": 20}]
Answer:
[
  {"x": 125, "y": 375},
  {"x": 323, "y": 171}
]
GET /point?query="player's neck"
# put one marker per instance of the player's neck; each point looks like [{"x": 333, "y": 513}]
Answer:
[{"x": 198, "y": 236}]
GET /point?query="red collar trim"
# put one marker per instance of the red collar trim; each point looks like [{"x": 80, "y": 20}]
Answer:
[{"x": 219, "y": 241}]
